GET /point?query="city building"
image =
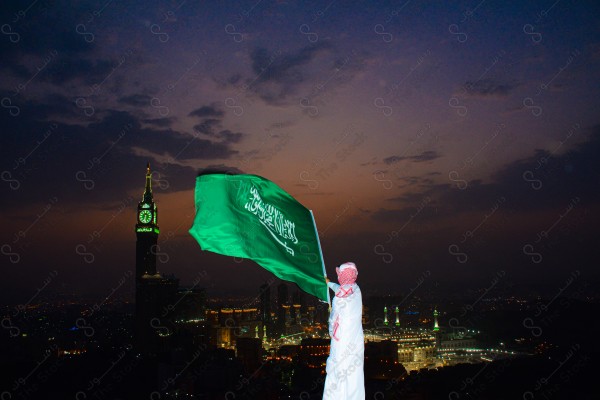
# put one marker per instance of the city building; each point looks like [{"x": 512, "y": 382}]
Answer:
[
  {"x": 313, "y": 352},
  {"x": 250, "y": 352},
  {"x": 282, "y": 308},
  {"x": 265, "y": 303},
  {"x": 155, "y": 294},
  {"x": 382, "y": 351}
]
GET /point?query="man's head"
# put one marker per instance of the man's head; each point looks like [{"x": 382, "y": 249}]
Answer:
[{"x": 347, "y": 273}]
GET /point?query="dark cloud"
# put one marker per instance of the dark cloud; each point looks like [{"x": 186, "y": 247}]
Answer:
[
  {"x": 543, "y": 181},
  {"x": 308, "y": 74},
  {"x": 59, "y": 43},
  {"x": 19, "y": 70},
  {"x": 229, "y": 136},
  {"x": 211, "y": 127},
  {"x": 234, "y": 79},
  {"x": 488, "y": 88},
  {"x": 68, "y": 67},
  {"x": 136, "y": 100},
  {"x": 277, "y": 75},
  {"x": 282, "y": 68},
  {"x": 162, "y": 141},
  {"x": 207, "y": 111},
  {"x": 424, "y": 156},
  {"x": 160, "y": 122},
  {"x": 393, "y": 159},
  {"x": 207, "y": 126},
  {"x": 70, "y": 54},
  {"x": 62, "y": 68},
  {"x": 407, "y": 181},
  {"x": 51, "y": 106},
  {"x": 103, "y": 157},
  {"x": 219, "y": 169}
]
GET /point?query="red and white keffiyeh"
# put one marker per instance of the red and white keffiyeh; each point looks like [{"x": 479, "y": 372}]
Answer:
[{"x": 347, "y": 274}]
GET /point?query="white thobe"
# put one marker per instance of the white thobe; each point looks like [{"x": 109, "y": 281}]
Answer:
[{"x": 345, "y": 378}]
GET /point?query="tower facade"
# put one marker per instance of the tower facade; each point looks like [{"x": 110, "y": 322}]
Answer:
[
  {"x": 147, "y": 231},
  {"x": 154, "y": 294}
]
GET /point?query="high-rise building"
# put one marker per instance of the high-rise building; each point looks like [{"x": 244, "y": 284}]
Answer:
[
  {"x": 282, "y": 294},
  {"x": 265, "y": 303},
  {"x": 282, "y": 308},
  {"x": 299, "y": 298},
  {"x": 192, "y": 305},
  {"x": 249, "y": 351},
  {"x": 155, "y": 295},
  {"x": 298, "y": 307}
]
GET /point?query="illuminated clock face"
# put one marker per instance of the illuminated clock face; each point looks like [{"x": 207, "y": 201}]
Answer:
[{"x": 145, "y": 216}]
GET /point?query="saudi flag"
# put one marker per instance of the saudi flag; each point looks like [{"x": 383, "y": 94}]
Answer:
[{"x": 251, "y": 217}]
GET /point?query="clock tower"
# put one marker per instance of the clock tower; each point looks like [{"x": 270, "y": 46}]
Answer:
[
  {"x": 147, "y": 232},
  {"x": 160, "y": 305}
]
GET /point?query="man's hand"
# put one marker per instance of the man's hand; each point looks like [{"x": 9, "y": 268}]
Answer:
[{"x": 326, "y": 279}]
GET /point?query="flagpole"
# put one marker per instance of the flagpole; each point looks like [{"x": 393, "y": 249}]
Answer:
[{"x": 321, "y": 252}]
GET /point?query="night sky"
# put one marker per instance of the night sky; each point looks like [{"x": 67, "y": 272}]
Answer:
[{"x": 447, "y": 146}]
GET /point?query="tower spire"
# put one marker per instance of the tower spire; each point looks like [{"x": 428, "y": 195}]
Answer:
[{"x": 148, "y": 190}]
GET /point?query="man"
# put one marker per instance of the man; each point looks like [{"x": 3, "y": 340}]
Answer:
[{"x": 345, "y": 373}]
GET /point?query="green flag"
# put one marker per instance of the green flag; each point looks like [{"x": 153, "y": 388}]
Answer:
[{"x": 251, "y": 217}]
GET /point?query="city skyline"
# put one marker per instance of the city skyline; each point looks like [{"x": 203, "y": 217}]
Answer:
[
  {"x": 405, "y": 336},
  {"x": 440, "y": 147}
]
